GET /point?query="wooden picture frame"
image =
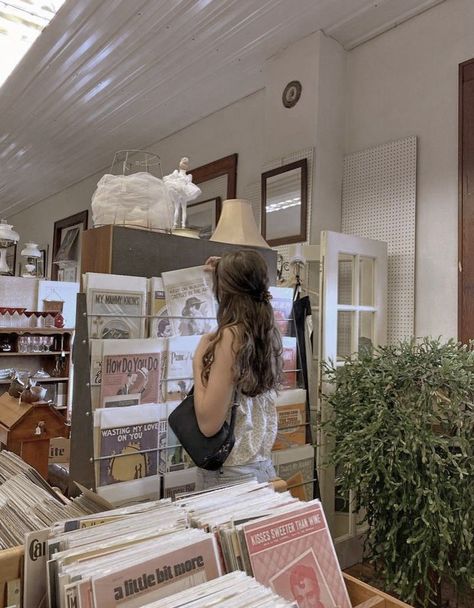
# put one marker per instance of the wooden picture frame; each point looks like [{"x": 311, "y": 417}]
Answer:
[
  {"x": 300, "y": 181},
  {"x": 61, "y": 230},
  {"x": 226, "y": 166},
  {"x": 206, "y": 215}
]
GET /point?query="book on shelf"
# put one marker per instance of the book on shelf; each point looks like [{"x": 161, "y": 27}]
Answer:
[
  {"x": 283, "y": 542},
  {"x": 176, "y": 458},
  {"x": 293, "y": 554},
  {"x": 132, "y": 371},
  {"x": 291, "y": 412},
  {"x": 232, "y": 590},
  {"x": 296, "y": 467},
  {"x": 179, "y": 368},
  {"x": 190, "y": 301},
  {"x": 127, "y": 447},
  {"x": 138, "y": 555},
  {"x": 290, "y": 363},
  {"x": 137, "y": 565},
  {"x": 282, "y": 304},
  {"x": 28, "y": 503},
  {"x": 76, "y": 556},
  {"x": 179, "y": 482},
  {"x": 159, "y": 325},
  {"x": 96, "y": 348},
  {"x": 116, "y": 305},
  {"x": 188, "y": 559}
]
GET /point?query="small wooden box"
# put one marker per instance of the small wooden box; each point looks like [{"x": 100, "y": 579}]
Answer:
[{"x": 27, "y": 429}]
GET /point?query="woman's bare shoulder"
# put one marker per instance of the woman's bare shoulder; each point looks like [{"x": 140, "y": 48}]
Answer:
[{"x": 231, "y": 337}]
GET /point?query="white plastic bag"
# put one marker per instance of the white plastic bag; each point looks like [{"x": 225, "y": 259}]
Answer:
[{"x": 139, "y": 200}]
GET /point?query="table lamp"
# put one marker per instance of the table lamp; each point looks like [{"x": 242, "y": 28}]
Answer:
[
  {"x": 31, "y": 253},
  {"x": 237, "y": 225}
]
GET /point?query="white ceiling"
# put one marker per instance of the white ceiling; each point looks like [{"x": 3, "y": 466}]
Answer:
[{"x": 103, "y": 71}]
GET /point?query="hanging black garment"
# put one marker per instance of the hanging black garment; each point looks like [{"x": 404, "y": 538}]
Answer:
[{"x": 301, "y": 310}]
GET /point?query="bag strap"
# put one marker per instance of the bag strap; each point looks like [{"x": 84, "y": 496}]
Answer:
[
  {"x": 235, "y": 404},
  {"x": 233, "y": 414}
]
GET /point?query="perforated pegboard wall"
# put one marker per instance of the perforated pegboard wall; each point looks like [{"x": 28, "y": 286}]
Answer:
[
  {"x": 379, "y": 202},
  {"x": 253, "y": 194}
]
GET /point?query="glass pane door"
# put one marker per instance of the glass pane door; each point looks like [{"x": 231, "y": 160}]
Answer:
[{"x": 353, "y": 294}]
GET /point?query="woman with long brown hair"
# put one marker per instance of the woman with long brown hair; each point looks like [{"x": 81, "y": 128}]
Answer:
[{"x": 240, "y": 363}]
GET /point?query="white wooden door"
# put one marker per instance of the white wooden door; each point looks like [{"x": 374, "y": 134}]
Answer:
[{"x": 353, "y": 315}]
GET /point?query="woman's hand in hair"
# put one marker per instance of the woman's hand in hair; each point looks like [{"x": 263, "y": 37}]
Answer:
[{"x": 211, "y": 263}]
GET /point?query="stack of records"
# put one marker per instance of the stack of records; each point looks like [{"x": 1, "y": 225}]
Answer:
[
  {"x": 235, "y": 590},
  {"x": 28, "y": 503},
  {"x": 129, "y": 558},
  {"x": 136, "y": 555},
  {"x": 284, "y": 543}
]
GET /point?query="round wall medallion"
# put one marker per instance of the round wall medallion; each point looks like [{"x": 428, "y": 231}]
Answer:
[{"x": 292, "y": 93}]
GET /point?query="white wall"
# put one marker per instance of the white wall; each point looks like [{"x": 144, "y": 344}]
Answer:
[
  {"x": 405, "y": 82},
  {"x": 258, "y": 128},
  {"x": 236, "y": 128},
  {"x": 329, "y": 140},
  {"x": 291, "y": 129},
  {"x": 317, "y": 121}
]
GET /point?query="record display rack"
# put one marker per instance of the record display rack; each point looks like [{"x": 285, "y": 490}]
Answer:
[
  {"x": 83, "y": 461},
  {"x": 140, "y": 253}
]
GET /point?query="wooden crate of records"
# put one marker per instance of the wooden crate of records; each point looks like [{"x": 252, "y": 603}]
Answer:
[
  {"x": 11, "y": 566},
  {"x": 363, "y": 595}
]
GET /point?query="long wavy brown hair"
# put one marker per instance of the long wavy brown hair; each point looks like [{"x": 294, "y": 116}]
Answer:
[{"x": 241, "y": 288}]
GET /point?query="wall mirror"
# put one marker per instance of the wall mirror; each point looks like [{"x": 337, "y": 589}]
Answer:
[{"x": 285, "y": 204}]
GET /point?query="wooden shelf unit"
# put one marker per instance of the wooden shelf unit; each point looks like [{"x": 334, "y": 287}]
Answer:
[
  {"x": 35, "y": 331},
  {"x": 31, "y": 362},
  {"x": 40, "y": 354}
]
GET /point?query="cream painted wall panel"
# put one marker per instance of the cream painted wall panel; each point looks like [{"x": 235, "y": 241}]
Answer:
[
  {"x": 291, "y": 129},
  {"x": 317, "y": 120},
  {"x": 406, "y": 83},
  {"x": 329, "y": 140}
]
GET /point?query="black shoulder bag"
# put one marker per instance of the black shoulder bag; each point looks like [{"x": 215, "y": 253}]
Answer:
[{"x": 206, "y": 452}]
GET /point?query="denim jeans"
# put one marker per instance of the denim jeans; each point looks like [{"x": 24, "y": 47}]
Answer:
[{"x": 261, "y": 471}]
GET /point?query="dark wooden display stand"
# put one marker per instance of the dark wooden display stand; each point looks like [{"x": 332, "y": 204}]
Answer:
[
  {"x": 125, "y": 251},
  {"x": 141, "y": 253}
]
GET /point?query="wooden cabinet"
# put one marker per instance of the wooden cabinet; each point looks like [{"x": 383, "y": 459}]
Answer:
[
  {"x": 51, "y": 363},
  {"x": 27, "y": 429},
  {"x": 142, "y": 253}
]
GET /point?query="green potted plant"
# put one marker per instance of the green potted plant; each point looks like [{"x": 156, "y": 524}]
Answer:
[{"x": 403, "y": 421}]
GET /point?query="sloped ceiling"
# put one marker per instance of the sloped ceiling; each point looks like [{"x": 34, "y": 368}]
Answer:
[{"x": 105, "y": 74}]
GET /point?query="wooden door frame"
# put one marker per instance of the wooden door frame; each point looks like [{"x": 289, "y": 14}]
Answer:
[{"x": 462, "y": 277}]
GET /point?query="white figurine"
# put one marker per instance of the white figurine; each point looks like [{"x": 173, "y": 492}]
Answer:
[{"x": 181, "y": 190}]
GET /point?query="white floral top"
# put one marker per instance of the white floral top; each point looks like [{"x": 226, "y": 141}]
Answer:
[{"x": 255, "y": 430}]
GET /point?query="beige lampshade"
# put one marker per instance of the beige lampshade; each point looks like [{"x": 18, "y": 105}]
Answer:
[{"x": 237, "y": 225}]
